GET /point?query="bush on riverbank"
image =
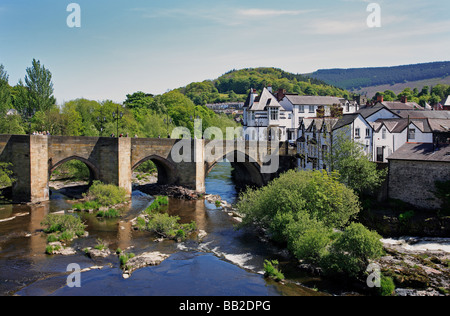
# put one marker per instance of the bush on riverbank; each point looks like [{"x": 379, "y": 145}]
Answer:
[
  {"x": 153, "y": 220},
  {"x": 304, "y": 210},
  {"x": 106, "y": 194},
  {"x": 63, "y": 228}
]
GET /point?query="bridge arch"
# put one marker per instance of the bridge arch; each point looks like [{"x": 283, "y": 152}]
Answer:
[
  {"x": 166, "y": 170},
  {"x": 247, "y": 172},
  {"x": 93, "y": 170}
]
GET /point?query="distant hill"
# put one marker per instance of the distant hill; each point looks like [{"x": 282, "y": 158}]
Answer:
[
  {"x": 356, "y": 79},
  {"x": 234, "y": 85}
]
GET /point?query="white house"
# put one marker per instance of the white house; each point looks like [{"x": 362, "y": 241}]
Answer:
[
  {"x": 264, "y": 117},
  {"x": 391, "y": 134},
  {"x": 279, "y": 114},
  {"x": 316, "y": 137}
]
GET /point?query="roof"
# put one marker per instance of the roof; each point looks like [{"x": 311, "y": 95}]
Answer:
[
  {"x": 319, "y": 123},
  {"x": 397, "y": 105},
  {"x": 425, "y": 114},
  {"x": 260, "y": 103},
  {"x": 345, "y": 120},
  {"x": 422, "y": 152},
  {"x": 313, "y": 100},
  {"x": 370, "y": 110},
  {"x": 446, "y": 102},
  {"x": 398, "y": 125}
]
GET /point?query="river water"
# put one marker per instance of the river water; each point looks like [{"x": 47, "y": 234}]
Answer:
[{"x": 227, "y": 262}]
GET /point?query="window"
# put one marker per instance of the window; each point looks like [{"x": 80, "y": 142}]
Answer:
[
  {"x": 383, "y": 133},
  {"x": 301, "y": 109},
  {"x": 367, "y": 132},
  {"x": 357, "y": 133},
  {"x": 311, "y": 109},
  {"x": 412, "y": 133},
  {"x": 273, "y": 113}
]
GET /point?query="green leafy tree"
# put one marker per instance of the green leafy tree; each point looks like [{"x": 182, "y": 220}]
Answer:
[
  {"x": 38, "y": 82},
  {"x": 6, "y": 175},
  {"x": 354, "y": 165},
  {"x": 5, "y": 91}
]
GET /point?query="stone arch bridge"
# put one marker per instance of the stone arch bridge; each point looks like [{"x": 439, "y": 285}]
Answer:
[{"x": 112, "y": 160}]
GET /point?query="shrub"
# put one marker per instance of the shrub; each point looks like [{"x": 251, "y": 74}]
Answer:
[
  {"x": 157, "y": 204},
  {"x": 62, "y": 223},
  {"x": 387, "y": 286},
  {"x": 111, "y": 213},
  {"x": 106, "y": 194},
  {"x": 404, "y": 217},
  {"x": 298, "y": 196},
  {"x": 271, "y": 270},
  {"x": 312, "y": 244},
  {"x": 352, "y": 251}
]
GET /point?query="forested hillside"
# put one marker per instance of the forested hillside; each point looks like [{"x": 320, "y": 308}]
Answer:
[
  {"x": 235, "y": 85},
  {"x": 357, "y": 78}
]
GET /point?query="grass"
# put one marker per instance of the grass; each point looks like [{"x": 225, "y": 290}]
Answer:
[
  {"x": 271, "y": 270},
  {"x": 162, "y": 223},
  {"x": 106, "y": 194},
  {"x": 111, "y": 213}
]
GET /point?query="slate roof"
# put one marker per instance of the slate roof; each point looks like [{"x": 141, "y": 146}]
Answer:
[
  {"x": 422, "y": 152},
  {"x": 313, "y": 100}
]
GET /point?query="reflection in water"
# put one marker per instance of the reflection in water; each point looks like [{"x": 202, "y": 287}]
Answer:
[{"x": 225, "y": 262}]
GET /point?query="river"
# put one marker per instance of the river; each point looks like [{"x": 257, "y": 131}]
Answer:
[{"x": 227, "y": 262}]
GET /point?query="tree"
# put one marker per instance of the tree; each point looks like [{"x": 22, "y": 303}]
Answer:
[
  {"x": 5, "y": 91},
  {"x": 38, "y": 82},
  {"x": 354, "y": 166}
]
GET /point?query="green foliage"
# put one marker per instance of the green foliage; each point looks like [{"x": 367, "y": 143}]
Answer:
[
  {"x": 62, "y": 227},
  {"x": 124, "y": 257},
  {"x": 365, "y": 77},
  {"x": 162, "y": 223},
  {"x": 352, "y": 251},
  {"x": 304, "y": 196},
  {"x": 88, "y": 205},
  {"x": 6, "y": 175},
  {"x": 111, "y": 213},
  {"x": 271, "y": 270},
  {"x": 73, "y": 169},
  {"x": 38, "y": 82},
  {"x": 157, "y": 204},
  {"x": 387, "y": 286},
  {"x": 106, "y": 194},
  {"x": 354, "y": 166},
  {"x": 404, "y": 217}
]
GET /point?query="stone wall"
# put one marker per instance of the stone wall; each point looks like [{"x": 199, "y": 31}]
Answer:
[{"x": 414, "y": 181}]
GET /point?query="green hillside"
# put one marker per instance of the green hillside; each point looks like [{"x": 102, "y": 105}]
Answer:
[
  {"x": 357, "y": 78},
  {"x": 236, "y": 84}
]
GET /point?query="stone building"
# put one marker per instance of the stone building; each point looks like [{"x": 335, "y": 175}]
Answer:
[{"x": 413, "y": 171}]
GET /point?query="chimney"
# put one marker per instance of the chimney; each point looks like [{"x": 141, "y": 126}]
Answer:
[
  {"x": 280, "y": 94},
  {"x": 380, "y": 98},
  {"x": 404, "y": 99},
  {"x": 269, "y": 88}
]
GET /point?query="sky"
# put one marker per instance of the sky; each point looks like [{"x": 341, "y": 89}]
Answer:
[{"x": 157, "y": 45}]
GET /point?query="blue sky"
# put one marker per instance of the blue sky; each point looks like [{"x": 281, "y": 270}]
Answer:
[{"x": 153, "y": 46}]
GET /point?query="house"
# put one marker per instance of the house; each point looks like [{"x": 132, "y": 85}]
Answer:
[
  {"x": 444, "y": 105},
  {"x": 264, "y": 117},
  {"x": 391, "y": 134},
  {"x": 316, "y": 137},
  {"x": 278, "y": 115},
  {"x": 414, "y": 169}
]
